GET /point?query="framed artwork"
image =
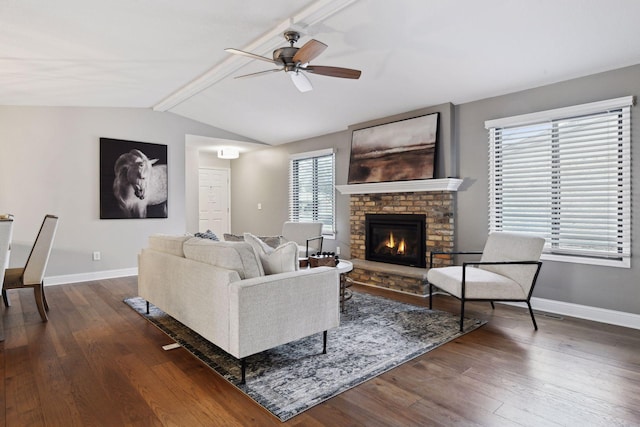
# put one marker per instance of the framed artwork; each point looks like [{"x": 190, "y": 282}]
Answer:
[
  {"x": 133, "y": 179},
  {"x": 398, "y": 151}
]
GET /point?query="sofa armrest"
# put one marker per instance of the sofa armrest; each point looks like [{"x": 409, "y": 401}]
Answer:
[
  {"x": 272, "y": 310},
  {"x": 192, "y": 292}
]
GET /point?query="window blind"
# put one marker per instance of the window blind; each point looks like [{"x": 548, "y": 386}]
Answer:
[
  {"x": 565, "y": 177},
  {"x": 311, "y": 188}
]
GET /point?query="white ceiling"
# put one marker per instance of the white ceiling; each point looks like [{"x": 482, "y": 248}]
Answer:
[{"x": 169, "y": 55}]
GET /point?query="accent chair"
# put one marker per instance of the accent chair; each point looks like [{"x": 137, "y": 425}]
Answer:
[
  {"x": 308, "y": 236},
  {"x": 507, "y": 271}
]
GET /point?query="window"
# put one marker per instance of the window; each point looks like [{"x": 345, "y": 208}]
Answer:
[
  {"x": 311, "y": 188},
  {"x": 565, "y": 174}
]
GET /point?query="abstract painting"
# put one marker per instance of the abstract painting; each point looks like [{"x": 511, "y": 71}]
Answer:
[{"x": 399, "y": 151}]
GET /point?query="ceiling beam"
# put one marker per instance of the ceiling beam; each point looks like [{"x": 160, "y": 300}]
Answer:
[{"x": 264, "y": 45}]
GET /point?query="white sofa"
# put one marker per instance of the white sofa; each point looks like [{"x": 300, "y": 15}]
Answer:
[{"x": 219, "y": 290}]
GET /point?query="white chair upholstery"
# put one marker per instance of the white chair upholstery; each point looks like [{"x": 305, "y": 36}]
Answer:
[
  {"x": 32, "y": 274},
  {"x": 507, "y": 271},
  {"x": 307, "y": 235}
]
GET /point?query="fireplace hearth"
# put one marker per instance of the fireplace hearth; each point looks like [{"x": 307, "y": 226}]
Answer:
[{"x": 396, "y": 239}]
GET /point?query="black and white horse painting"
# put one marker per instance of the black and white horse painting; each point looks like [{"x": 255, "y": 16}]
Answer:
[{"x": 133, "y": 179}]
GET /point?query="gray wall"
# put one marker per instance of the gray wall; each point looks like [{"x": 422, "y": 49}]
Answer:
[
  {"x": 49, "y": 160},
  {"x": 262, "y": 177},
  {"x": 49, "y": 164},
  {"x": 605, "y": 287}
]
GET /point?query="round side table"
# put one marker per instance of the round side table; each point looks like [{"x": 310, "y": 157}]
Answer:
[{"x": 345, "y": 293}]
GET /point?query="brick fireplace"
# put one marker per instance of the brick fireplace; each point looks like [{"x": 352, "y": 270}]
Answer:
[{"x": 437, "y": 205}]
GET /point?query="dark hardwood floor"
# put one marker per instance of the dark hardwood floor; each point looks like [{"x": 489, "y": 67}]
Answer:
[{"x": 98, "y": 363}]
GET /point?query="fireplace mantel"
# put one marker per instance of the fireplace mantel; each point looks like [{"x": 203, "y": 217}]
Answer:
[{"x": 443, "y": 184}]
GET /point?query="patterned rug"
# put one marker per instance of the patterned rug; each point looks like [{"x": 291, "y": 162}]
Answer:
[{"x": 375, "y": 335}]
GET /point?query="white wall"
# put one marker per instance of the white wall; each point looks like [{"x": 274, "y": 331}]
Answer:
[{"x": 49, "y": 163}]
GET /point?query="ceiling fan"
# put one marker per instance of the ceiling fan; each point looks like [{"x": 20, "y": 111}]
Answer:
[{"x": 294, "y": 60}]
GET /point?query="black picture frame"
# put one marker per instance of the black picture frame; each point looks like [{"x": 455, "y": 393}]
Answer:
[
  {"x": 403, "y": 150},
  {"x": 133, "y": 179}
]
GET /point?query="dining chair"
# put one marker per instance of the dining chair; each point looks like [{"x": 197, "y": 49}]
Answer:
[
  {"x": 32, "y": 274},
  {"x": 6, "y": 231}
]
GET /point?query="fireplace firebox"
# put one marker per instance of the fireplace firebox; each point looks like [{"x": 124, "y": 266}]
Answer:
[{"x": 396, "y": 239}]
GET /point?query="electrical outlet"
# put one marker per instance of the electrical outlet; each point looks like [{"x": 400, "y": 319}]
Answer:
[
  {"x": 337, "y": 250},
  {"x": 259, "y": 206},
  {"x": 97, "y": 256}
]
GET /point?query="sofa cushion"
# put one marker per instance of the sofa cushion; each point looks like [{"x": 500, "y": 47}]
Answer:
[
  {"x": 228, "y": 237},
  {"x": 272, "y": 241},
  {"x": 238, "y": 256},
  {"x": 282, "y": 259},
  {"x": 168, "y": 244}
]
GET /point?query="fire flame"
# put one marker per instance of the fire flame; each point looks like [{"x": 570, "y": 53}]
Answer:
[
  {"x": 391, "y": 244},
  {"x": 402, "y": 247}
]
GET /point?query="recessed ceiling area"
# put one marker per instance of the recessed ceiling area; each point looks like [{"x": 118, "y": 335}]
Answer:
[
  {"x": 170, "y": 56},
  {"x": 214, "y": 145}
]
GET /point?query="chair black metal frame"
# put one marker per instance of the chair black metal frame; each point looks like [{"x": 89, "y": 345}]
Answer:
[
  {"x": 311, "y": 239},
  {"x": 463, "y": 299}
]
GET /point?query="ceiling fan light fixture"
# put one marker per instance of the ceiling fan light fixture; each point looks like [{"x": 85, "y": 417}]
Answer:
[
  {"x": 301, "y": 81},
  {"x": 228, "y": 153}
]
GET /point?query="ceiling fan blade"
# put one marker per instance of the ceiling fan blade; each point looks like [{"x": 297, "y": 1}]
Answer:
[
  {"x": 345, "y": 73},
  {"x": 250, "y": 55},
  {"x": 300, "y": 80},
  {"x": 309, "y": 51},
  {"x": 259, "y": 73}
]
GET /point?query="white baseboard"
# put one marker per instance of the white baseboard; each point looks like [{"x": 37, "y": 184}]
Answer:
[
  {"x": 87, "y": 277},
  {"x": 596, "y": 314}
]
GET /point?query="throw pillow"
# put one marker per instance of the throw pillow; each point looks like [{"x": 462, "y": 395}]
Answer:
[
  {"x": 273, "y": 241},
  {"x": 207, "y": 235},
  {"x": 282, "y": 259}
]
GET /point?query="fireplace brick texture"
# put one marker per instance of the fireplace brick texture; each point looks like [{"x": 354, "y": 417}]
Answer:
[{"x": 439, "y": 208}]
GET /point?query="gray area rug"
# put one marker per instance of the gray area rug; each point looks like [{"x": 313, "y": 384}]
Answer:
[{"x": 375, "y": 335}]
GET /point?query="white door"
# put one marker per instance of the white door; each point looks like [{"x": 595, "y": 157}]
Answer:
[{"x": 214, "y": 200}]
